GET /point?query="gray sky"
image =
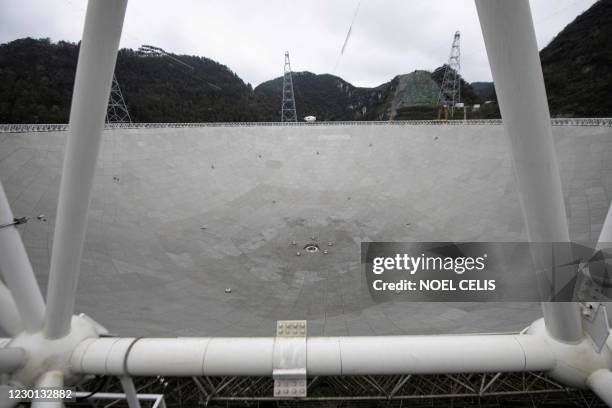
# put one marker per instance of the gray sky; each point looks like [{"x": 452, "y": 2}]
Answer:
[{"x": 389, "y": 37}]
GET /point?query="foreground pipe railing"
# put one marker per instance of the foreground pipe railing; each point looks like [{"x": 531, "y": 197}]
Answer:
[
  {"x": 372, "y": 355},
  {"x": 512, "y": 50},
  {"x": 97, "y": 56}
]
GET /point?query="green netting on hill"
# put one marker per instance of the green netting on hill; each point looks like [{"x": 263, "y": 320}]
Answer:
[{"x": 417, "y": 88}]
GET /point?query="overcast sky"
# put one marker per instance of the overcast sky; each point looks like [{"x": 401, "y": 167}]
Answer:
[{"x": 389, "y": 37}]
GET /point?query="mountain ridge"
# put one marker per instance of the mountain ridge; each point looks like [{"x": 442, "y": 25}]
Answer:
[{"x": 37, "y": 76}]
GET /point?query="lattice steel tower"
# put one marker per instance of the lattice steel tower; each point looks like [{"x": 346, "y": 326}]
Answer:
[
  {"x": 450, "y": 90},
  {"x": 117, "y": 111},
  {"x": 288, "y": 113}
]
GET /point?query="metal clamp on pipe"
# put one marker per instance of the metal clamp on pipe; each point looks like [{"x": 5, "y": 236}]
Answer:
[
  {"x": 289, "y": 359},
  {"x": 595, "y": 323}
]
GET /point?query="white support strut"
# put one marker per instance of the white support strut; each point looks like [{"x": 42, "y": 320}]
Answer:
[
  {"x": 11, "y": 359},
  {"x": 131, "y": 394},
  {"x": 353, "y": 355},
  {"x": 600, "y": 382},
  {"x": 10, "y": 322},
  {"x": 605, "y": 237},
  {"x": 510, "y": 41},
  {"x": 17, "y": 271},
  {"x": 96, "y": 64},
  {"x": 53, "y": 379}
]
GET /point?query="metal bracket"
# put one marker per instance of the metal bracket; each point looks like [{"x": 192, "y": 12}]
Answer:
[
  {"x": 289, "y": 360},
  {"x": 595, "y": 323},
  {"x": 16, "y": 221},
  {"x": 101, "y": 330}
]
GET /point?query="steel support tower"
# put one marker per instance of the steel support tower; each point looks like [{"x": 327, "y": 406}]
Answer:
[
  {"x": 288, "y": 113},
  {"x": 117, "y": 111},
  {"x": 450, "y": 90}
]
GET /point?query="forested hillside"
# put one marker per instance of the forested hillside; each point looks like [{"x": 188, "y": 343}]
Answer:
[
  {"x": 37, "y": 77},
  {"x": 325, "y": 96},
  {"x": 577, "y": 65}
]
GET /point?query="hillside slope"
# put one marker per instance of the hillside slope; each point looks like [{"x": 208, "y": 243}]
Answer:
[
  {"x": 325, "y": 96},
  {"x": 486, "y": 90},
  {"x": 36, "y": 81},
  {"x": 329, "y": 97},
  {"x": 37, "y": 77},
  {"x": 415, "y": 89},
  {"x": 577, "y": 65}
]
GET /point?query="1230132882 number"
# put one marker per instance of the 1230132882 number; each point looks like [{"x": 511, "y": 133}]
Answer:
[{"x": 42, "y": 394}]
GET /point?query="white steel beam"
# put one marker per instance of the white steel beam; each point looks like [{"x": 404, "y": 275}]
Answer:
[
  {"x": 17, "y": 272},
  {"x": 130, "y": 391},
  {"x": 600, "y": 382},
  {"x": 605, "y": 236},
  {"x": 10, "y": 322},
  {"x": 158, "y": 399},
  {"x": 353, "y": 355},
  {"x": 96, "y": 64},
  {"x": 53, "y": 379},
  {"x": 6, "y": 401},
  {"x": 10, "y": 359},
  {"x": 510, "y": 41}
]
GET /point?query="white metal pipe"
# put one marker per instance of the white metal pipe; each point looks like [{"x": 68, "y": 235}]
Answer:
[
  {"x": 53, "y": 379},
  {"x": 10, "y": 322},
  {"x": 510, "y": 41},
  {"x": 116, "y": 396},
  {"x": 605, "y": 236},
  {"x": 130, "y": 391},
  {"x": 600, "y": 382},
  {"x": 17, "y": 271},
  {"x": 325, "y": 355},
  {"x": 157, "y": 398},
  {"x": 11, "y": 359},
  {"x": 96, "y": 64},
  {"x": 5, "y": 401}
]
